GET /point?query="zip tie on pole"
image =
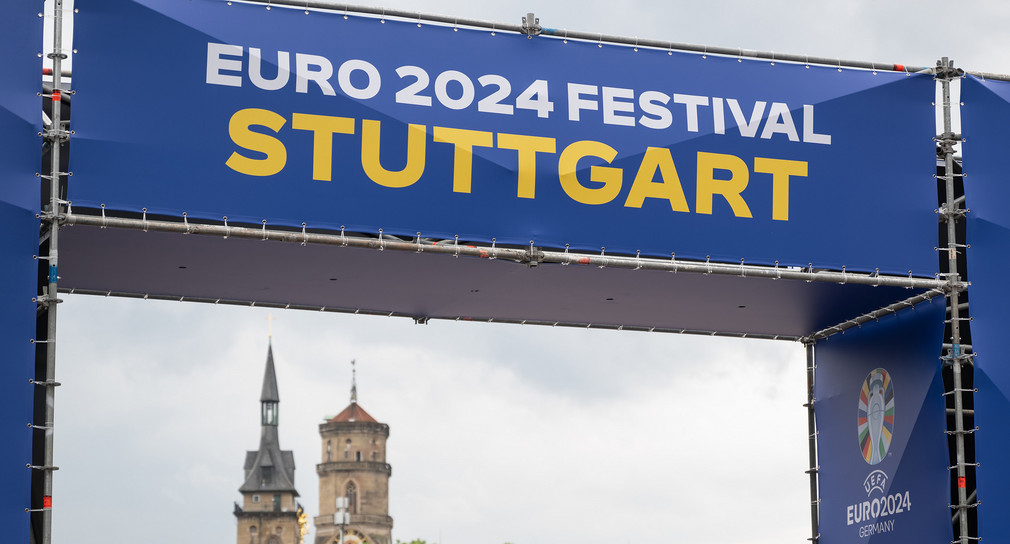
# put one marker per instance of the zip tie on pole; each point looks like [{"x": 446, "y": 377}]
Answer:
[
  {"x": 227, "y": 229},
  {"x": 845, "y": 277},
  {"x": 568, "y": 259},
  {"x": 264, "y": 230},
  {"x": 638, "y": 259},
  {"x": 673, "y": 261},
  {"x": 456, "y": 245},
  {"x": 494, "y": 250},
  {"x": 382, "y": 243},
  {"x": 104, "y": 220},
  {"x": 708, "y": 264},
  {"x": 810, "y": 270},
  {"x": 185, "y": 221},
  {"x": 960, "y": 390},
  {"x": 419, "y": 248},
  {"x": 743, "y": 271},
  {"x": 778, "y": 272},
  {"x": 144, "y": 218},
  {"x": 343, "y": 239},
  {"x": 305, "y": 236},
  {"x": 602, "y": 257}
]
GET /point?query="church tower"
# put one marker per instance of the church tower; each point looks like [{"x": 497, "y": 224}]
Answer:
[
  {"x": 354, "y": 466},
  {"x": 269, "y": 513}
]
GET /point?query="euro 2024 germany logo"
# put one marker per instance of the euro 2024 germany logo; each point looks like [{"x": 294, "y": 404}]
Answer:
[
  {"x": 875, "y": 418},
  {"x": 875, "y": 429}
]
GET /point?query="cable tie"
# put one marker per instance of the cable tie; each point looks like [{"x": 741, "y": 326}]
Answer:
[
  {"x": 104, "y": 220},
  {"x": 144, "y": 218},
  {"x": 638, "y": 259},
  {"x": 708, "y": 264},
  {"x": 227, "y": 229},
  {"x": 494, "y": 250},
  {"x": 343, "y": 239},
  {"x": 305, "y": 236},
  {"x": 185, "y": 221},
  {"x": 456, "y": 245},
  {"x": 419, "y": 248},
  {"x": 264, "y": 230},
  {"x": 673, "y": 261},
  {"x": 382, "y": 242},
  {"x": 567, "y": 257},
  {"x": 603, "y": 258}
]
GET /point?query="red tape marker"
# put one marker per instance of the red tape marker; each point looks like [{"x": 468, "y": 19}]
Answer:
[
  {"x": 47, "y": 502},
  {"x": 961, "y": 483},
  {"x": 56, "y": 96}
]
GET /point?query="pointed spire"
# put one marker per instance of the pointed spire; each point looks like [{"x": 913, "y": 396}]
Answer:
[
  {"x": 354, "y": 383},
  {"x": 270, "y": 378}
]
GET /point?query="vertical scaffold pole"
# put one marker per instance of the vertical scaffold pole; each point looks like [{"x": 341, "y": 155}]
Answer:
[
  {"x": 51, "y": 216},
  {"x": 951, "y": 211},
  {"x": 815, "y": 530}
]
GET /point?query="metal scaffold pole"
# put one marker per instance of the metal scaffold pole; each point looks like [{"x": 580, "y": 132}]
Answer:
[
  {"x": 51, "y": 216},
  {"x": 812, "y": 431},
  {"x": 955, "y": 356}
]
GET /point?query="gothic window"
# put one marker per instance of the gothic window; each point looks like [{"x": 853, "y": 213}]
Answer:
[
  {"x": 351, "y": 492},
  {"x": 270, "y": 413}
]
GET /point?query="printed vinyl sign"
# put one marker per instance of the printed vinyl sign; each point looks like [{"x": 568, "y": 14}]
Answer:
[
  {"x": 294, "y": 115},
  {"x": 880, "y": 414}
]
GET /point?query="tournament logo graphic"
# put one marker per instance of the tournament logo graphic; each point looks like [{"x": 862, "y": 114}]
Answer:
[{"x": 875, "y": 417}]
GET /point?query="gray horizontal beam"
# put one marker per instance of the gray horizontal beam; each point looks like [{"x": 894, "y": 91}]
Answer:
[{"x": 530, "y": 255}]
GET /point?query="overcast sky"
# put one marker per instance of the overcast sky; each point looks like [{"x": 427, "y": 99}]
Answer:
[{"x": 498, "y": 432}]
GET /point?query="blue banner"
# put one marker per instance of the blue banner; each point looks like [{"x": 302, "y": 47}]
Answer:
[
  {"x": 985, "y": 117},
  {"x": 20, "y": 156},
  {"x": 880, "y": 419},
  {"x": 290, "y": 116}
]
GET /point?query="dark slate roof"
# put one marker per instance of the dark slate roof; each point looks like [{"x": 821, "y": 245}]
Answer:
[
  {"x": 269, "y": 469},
  {"x": 353, "y": 413},
  {"x": 280, "y": 465},
  {"x": 270, "y": 379}
]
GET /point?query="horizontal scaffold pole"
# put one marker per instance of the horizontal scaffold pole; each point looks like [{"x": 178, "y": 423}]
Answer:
[{"x": 530, "y": 255}]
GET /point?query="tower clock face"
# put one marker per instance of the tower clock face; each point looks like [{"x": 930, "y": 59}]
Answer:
[{"x": 351, "y": 536}]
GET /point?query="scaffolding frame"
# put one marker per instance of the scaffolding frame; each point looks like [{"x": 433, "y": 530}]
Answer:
[
  {"x": 56, "y": 213},
  {"x": 52, "y": 216}
]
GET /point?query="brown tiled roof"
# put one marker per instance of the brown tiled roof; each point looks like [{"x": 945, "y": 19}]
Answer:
[{"x": 353, "y": 413}]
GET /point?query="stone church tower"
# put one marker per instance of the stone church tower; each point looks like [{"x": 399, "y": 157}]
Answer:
[
  {"x": 269, "y": 513},
  {"x": 354, "y": 466}
]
